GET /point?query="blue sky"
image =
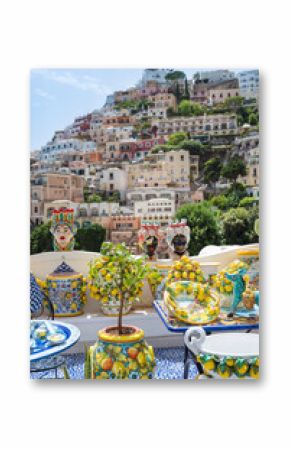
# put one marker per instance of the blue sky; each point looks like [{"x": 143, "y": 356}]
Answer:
[{"x": 60, "y": 95}]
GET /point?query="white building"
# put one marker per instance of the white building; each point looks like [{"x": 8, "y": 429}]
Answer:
[
  {"x": 249, "y": 83},
  {"x": 51, "y": 150},
  {"x": 114, "y": 179},
  {"x": 160, "y": 210}
]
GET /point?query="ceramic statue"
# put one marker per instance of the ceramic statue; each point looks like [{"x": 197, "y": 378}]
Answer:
[
  {"x": 239, "y": 286},
  {"x": 178, "y": 237},
  {"x": 251, "y": 299},
  {"x": 149, "y": 237},
  {"x": 63, "y": 229}
]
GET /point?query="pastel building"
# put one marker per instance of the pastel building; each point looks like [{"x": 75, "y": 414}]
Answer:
[
  {"x": 159, "y": 210},
  {"x": 161, "y": 170},
  {"x": 210, "y": 124},
  {"x": 51, "y": 187},
  {"x": 249, "y": 83}
]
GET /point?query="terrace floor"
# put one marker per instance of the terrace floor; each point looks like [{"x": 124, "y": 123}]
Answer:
[{"x": 169, "y": 365}]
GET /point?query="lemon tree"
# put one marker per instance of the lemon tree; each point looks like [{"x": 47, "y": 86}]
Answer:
[{"x": 117, "y": 274}]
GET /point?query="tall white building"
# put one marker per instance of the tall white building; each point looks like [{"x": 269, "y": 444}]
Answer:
[
  {"x": 50, "y": 151},
  {"x": 249, "y": 83}
]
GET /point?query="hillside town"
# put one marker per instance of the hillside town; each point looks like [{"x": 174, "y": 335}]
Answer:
[{"x": 152, "y": 148}]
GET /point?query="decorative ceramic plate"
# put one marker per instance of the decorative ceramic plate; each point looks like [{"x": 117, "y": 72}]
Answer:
[
  {"x": 41, "y": 348},
  {"x": 191, "y": 302}
]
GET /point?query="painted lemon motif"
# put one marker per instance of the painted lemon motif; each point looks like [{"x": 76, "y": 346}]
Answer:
[
  {"x": 254, "y": 372},
  {"x": 141, "y": 359},
  {"x": 223, "y": 371},
  {"x": 119, "y": 370},
  {"x": 229, "y": 361},
  {"x": 209, "y": 364},
  {"x": 241, "y": 367}
]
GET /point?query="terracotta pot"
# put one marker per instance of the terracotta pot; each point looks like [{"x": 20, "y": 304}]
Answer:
[{"x": 124, "y": 356}]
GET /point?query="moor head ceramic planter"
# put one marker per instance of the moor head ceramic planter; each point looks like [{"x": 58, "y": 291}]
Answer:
[
  {"x": 178, "y": 237},
  {"x": 149, "y": 238},
  {"x": 125, "y": 356},
  {"x": 63, "y": 229}
]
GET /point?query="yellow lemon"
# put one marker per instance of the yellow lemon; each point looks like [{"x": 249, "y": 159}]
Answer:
[
  {"x": 177, "y": 274},
  {"x": 184, "y": 274},
  {"x": 209, "y": 365},
  {"x": 191, "y": 275},
  {"x": 254, "y": 372},
  {"x": 223, "y": 371},
  {"x": 103, "y": 272},
  {"x": 108, "y": 277},
  {"x": 141, "y": 358}
]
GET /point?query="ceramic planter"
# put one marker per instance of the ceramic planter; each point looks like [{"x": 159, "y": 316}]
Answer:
[
  {"x": 65, "y": 289},
  {"x": 224, "y": 356},
  {"x": 121, "y": 356},
  {"x": 251, "y": 258},
  {"x": 111, "y": 308}
]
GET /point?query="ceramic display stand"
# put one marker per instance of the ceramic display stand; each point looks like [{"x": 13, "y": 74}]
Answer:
[{"x": 230, "y": 355}]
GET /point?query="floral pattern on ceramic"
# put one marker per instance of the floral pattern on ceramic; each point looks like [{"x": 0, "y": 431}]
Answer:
[
  {"x": 121, "y": 357},
  {"x": 192, "y": 303},
  {"x": 67, "y": 291},
  {"x": 63, "y": 229}
]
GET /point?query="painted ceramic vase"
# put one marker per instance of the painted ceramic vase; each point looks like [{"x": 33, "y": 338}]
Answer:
[
  {"x": 229, "y": 355},
  {"x": 251, "y": 258},
  {"x": 112, "y": 307},
  {"x": 67, "y": 291},
  {"x": 121, "y": 356}
]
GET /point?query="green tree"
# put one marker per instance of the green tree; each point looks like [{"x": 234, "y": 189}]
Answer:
[
  {"x": 238, "y": 226},
  {"x": 212, "y": 171},
  {"x": 175, "y": 75},
  {"x": 221, "y": 202},
  {"x": 176, "y": 138},
  {"x": 185, "y": 107},
  {"x": 203, "y": 223},
  {"x": 41, "y": 239},
  {"x": 253, "y": 119},
  {"x": 90, "y": 238},
  {"x": 233, "y": 103},
  {"x": 186, "y": 91},
  {"x": 248, "y": 202},
  {"x": 94, "y": 198},
  {"x": 233, "y": 169}
]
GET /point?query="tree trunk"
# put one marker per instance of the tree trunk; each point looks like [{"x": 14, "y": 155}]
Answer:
[{"x": 120, "y": 317}]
